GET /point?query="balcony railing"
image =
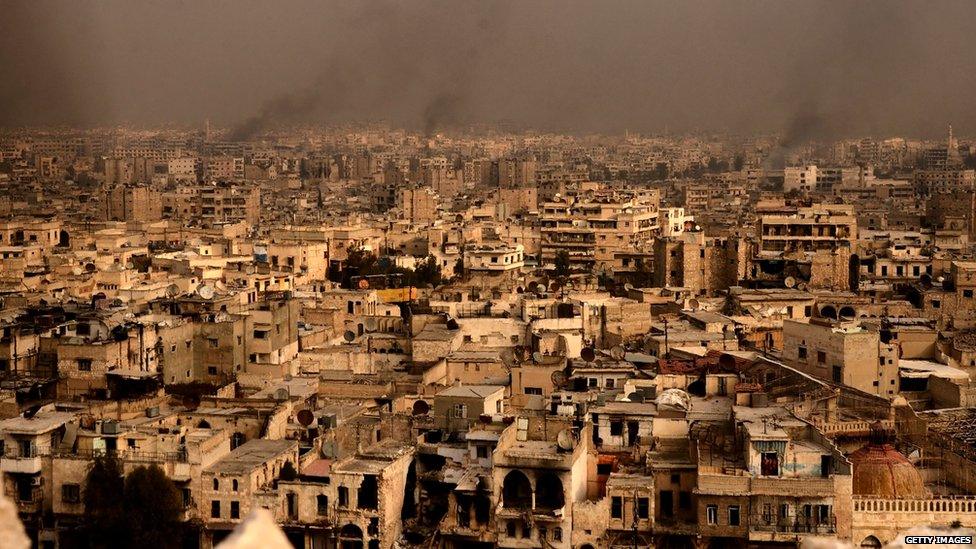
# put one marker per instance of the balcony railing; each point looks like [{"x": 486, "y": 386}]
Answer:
[{"x": 794, "y": 525}]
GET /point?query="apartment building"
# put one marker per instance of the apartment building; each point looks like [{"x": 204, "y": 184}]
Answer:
[{"x": 591, "y": 227}]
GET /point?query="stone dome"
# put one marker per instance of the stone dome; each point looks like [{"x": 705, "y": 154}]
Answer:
[{"x": 882, "y": 471}]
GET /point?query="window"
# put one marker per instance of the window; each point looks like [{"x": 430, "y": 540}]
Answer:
[
  {"x": 212, "y": 370},
  {"x": 733, "y": 515},
  {"x": 214, "y": 342},
  {"x": 684, "y": 500},
  {"x": 604, "y": 468},
  {"x": 235, "y": 509},
  {"x": 84, "y": 364},
  {"x": 482, "y": 452},
  {"x": 821, "y": 357},
  {"x": 801, "y": 353},
  {"x": 967, "y": 293},
  {"x": 343, "y": 496},
  {"x": 70, "y": 493},
  {"x": 616, "y": 428},
  {"x": 526, "y": 530},
  {"x": 591, "y": 382},
  {"x": 936, "y": 304},
  {"x": 616, "y": 507},
  {"x": 823, "y": 514},
  {"x": 214, "y": 509},
  {"x": 233, "y": 485},
  {"x": 711, "y": 514},
  {"x": 322, "y": 504},
  {"x": 533, "y": 390},
  {"x": 510, "y": 528},
  {"x": 461, "y": 411},
  {"x": 837, "y": 374},
  {"x": 609, "y": 383},
  {"x": 643, "y": 508},
  {"x": 216, "y": 484},
  {"x": 557, "y": 534}
]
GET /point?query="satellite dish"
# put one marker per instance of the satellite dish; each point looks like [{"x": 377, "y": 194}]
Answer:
[
  {"x": 693, "y": 304},
  {"x": 636, "y": 397},
  {"x": 801, "y": 286},
  {"x": 617, "y": 352},
  {"x": 588, "y": 354},
  {"x": 421, "y": 408},
  {"x": 90, "y": 267},
  {"x": 533, "y": 286},
  {"x": 282, "y": 394},
  {"x": 541, "y": 288},
  {"x": 205, "y": 291},
  {"x": 537, "y": 357},
  {"x": 130, "y": 265},
  {"x": 452, "y": 324},
  {"x": 926, "y": 279},
  {"x": 628, "y": 286},
  {"x": 363, "y": 284},
  {"x": 565, "y": 440},
  {"x": 558, "y": 378},
  {"x": 789, "y": 282},
  {"x": 172, "y": 290},
  {"x": 555, "y": 286},
  {"x": 305, "y": 417},
  {"x": 349, "y": 335}
]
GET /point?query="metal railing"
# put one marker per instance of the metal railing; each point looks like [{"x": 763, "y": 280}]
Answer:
[{"x": 794, "y": 525}]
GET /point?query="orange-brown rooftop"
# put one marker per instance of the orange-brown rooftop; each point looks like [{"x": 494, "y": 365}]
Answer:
[{"x": 882, "y": 471}]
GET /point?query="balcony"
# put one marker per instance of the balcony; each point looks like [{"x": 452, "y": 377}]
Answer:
[
  {"x": 770, "y": 528},
  {"x": 25, "y": 459},
  {"x": 29, "y": 499}
]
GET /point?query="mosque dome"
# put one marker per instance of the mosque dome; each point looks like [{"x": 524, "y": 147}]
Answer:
[{"x": 882, "y": 471}]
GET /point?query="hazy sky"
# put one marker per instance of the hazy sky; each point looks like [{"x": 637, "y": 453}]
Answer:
[{"x": 808, "y": 68}]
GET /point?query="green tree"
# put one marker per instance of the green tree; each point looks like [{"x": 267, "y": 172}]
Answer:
[
  {"x": 428, "y": 272},
  {"x": 562, "y": 263},
  {"x": 105, "y": 518},
  {"x": 153, "y": 509}
]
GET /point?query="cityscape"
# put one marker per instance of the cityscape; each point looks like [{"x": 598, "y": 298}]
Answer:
[{"x": 403, "y": 275}]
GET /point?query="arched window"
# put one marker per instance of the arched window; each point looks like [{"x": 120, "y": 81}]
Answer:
[
  {"x": 871, "y": 541},
  {"x": 233, "y": 484},
  {"x": 549, "y": 493},
  {"x": 216, "y": 484},
  {"x": 350, "y": 537},
  {"x": 517, "y": 491}
]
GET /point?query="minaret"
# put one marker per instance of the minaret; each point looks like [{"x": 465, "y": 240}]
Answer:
[
  {"x": 208, "y": 130},
  {"x": 952, "y": 143}
]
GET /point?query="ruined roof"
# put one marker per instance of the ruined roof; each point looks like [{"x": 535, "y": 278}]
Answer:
[{"x": 251, "y": 455}]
